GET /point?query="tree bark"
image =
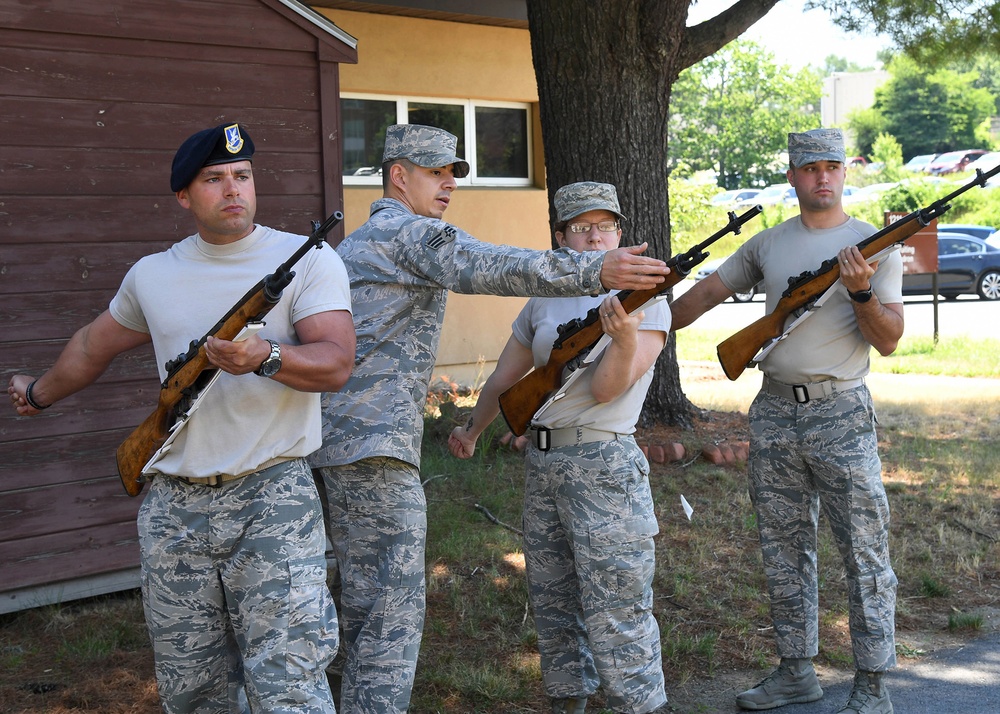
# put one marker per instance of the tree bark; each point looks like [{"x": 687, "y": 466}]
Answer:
[{"x": 604, "y": 86}]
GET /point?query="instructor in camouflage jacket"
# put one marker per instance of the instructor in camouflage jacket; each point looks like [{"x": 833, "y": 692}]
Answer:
[{"x": 402, "y": 262}]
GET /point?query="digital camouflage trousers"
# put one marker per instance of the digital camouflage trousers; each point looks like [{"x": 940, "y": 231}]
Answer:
[{"x": 804, "y": 457}]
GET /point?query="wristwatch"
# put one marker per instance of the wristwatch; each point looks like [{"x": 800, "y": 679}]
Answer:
[
  {"x": 861, "y": 295},
  {"x": 270, "y": 366}
]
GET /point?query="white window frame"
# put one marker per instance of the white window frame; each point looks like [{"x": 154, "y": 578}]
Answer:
[{"x": 469, "y": 107}]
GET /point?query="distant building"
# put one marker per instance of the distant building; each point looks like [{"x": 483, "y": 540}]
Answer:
[{"x": 844, "y": 92}]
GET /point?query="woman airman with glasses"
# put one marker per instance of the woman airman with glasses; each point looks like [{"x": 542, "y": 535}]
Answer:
[{"x": 588, "y": 511}]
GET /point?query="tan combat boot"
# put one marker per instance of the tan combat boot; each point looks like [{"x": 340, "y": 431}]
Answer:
[
  {"x": 793, "y": 682},
  {"x": 869, "y": 695}
]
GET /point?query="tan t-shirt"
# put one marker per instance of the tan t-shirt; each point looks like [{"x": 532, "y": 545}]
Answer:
[
  {"x": 829, "y": 344},
  {"x": 178, "y": 295}
]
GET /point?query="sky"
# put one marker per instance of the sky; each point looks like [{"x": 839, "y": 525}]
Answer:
[{"x": 789, "y": 19}]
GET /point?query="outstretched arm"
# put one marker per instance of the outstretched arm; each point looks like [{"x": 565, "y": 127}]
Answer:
[
  {"x": 701, "y": 298},
  {"x": 82, "y": 361},
  {"x": 515, "y": 362}
]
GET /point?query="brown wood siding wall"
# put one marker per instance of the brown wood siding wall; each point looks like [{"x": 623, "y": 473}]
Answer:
[{"x": 96, "y": 98}]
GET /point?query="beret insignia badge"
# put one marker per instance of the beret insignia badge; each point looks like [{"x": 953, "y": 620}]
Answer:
[{"x": 234, "y": 142}]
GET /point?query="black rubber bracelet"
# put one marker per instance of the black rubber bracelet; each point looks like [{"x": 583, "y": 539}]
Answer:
[{"x": 31, "y": 402}]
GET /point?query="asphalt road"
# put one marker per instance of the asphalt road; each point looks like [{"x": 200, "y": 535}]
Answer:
[
  {"x": 968, "y": 315},
  {"x": 964, "y": 679}
]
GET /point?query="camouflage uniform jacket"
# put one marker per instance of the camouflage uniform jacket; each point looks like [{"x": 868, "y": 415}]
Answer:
[{"x": 401, "y": 267}]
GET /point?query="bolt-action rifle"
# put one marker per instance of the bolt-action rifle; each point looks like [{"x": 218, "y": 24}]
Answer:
[
  {"x": 190, "y": 373},
  {"x": 578, "y": 336},
  {"x": 739, "y": 351}
]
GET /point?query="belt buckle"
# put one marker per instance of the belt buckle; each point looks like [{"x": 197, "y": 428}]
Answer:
[
  {"x": 801, "y": 393},
  {"x": 542, "y": 439}
]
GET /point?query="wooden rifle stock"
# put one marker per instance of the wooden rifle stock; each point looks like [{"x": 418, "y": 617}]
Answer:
[
  {"x": 736, "y": 353},
  {"x": 576, "y": 338},
  {"x": 190, "y": 371}
]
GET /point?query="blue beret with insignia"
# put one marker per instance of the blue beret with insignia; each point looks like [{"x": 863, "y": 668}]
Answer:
[{"x": 223, "y": 144}]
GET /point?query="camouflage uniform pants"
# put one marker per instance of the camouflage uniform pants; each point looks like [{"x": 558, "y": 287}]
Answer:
[
  {"x": 588, "y": 547},
  {"x": 378, "y": 527},
  {"x": 235, "y": 595},
  {"x": 823, "y": 453}
]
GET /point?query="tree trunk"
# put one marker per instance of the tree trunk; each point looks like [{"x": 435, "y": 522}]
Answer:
[{"x": 604, "y": 70}]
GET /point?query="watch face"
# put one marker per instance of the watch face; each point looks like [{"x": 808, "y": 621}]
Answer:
[
  {"x": 272, "y": 364},
  {"x": 269, "y": 368}
]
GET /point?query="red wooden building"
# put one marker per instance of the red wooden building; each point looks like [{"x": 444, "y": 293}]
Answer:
[{"x": 96, "y": 98}]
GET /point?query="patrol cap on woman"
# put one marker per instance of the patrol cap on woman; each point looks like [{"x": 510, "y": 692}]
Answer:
[
  {"x": 575, "y": 199},
  {"x": 425, "y": 146},
  {"x": 223, "y": 144},
  {"x": 816, "y": 145}
]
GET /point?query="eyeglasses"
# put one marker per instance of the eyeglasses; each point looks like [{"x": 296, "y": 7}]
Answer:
[{"x": 603, "y": 227}]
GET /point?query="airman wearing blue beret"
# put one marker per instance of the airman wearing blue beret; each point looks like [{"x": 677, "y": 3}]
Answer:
[{"x": 213, "y": 593}]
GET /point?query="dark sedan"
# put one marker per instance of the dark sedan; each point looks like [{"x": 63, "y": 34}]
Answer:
[{"x": 967, "y": 265}]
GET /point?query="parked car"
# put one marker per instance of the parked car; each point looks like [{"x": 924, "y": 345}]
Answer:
[
  {"x": 981, "y": 232},
  {"x": 769, "y": 196},
  {"x": 710, "y": 266},
  {"x": 919, "y": 163},
  {"x": 967, "y": 265},
  {"x": 730, "y": 198},
  {"x": 953, "y": 161},
  {"x": 986, "y": 162}
]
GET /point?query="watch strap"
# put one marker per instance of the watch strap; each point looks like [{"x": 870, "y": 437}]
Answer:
[{"x": 861, "y": 295}]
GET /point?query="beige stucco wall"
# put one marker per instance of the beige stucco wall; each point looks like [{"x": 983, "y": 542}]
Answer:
[{"x": 414, "y": 57}]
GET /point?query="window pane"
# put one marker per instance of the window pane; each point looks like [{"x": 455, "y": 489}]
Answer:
[
  {"x": 365, "y": 122},
  {"x": 501, "y": 142},
  {"x": 450, "y": 117}
]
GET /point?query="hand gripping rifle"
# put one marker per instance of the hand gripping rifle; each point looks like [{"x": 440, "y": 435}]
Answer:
[
  {"x": 738, "y": 352},
  {"x": 578, "y": 336},
  {"x": 190, "y": 372}
]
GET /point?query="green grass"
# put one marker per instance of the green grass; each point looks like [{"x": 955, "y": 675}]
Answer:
[
  {"x": 940, "y": 449},
  {"x": 941, "y": 457}
]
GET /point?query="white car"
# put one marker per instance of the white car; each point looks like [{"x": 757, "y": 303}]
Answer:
[
  {"x": 986, "y": 162},
  {"x": 732, "y": 197},
  {"x": 769, "y": 196},
  {"x": 872, "y": 192},
  {"x": 919, "y": 163}
]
